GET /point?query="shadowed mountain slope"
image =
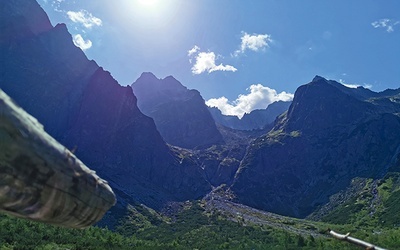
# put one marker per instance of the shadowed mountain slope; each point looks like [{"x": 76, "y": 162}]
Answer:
[
  {"x": 328, "y": 136},
  {"x": 180, "y": 114},
  {"x": 83, "y": 107}
]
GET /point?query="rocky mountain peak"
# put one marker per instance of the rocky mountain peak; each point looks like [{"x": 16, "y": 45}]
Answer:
[
  {"x": 148, "y": 76},
  {"x": 322, "y": 103},
  {"x": 170, "y": 78},
  {"x": 62, "y": 27},
  {"x": 256, "y": 119},
  {"x": 328, "y": 136},
  {"x": 154, "y": 87},
  {"x": 318, "y": 78},
  {"x": 180, "y": 114},
  {"x": 83, "y": 107}
]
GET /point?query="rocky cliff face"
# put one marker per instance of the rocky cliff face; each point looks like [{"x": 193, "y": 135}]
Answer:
[
  {"x": 41, "y": 65},
  {"x": 260, "y": 118},
  {"x": 22, "y": 19},
  {"x": 83, "y": 107},
  {"x": 256, "y": 119},
  {"x": 329, "y": 135},
  {"x": 180, "y": 114}
]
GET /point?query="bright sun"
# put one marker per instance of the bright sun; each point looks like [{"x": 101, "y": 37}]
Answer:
[
  {"x": 148, "y": 3},
  {"x": 151, "y": 11}
]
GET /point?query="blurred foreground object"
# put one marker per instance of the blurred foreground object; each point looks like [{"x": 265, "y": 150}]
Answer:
[
  {"x": 43, "y": 181},
  {"x": 355, "y": 241}
]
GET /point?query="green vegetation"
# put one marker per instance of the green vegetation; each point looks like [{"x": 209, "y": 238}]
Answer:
[
  {"x": 374, "y": 213},
  {"x": 345, "y": 213},
  {"x": 377, "y": 204},
  {"x": 277, "y": 136},
  {"x": 389, "y": 191},
  {"x": 192, "y": 228}
]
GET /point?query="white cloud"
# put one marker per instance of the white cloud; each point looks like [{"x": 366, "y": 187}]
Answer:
[
  {"x": 253, "y": 42},
  {"x": 205, "y": 61},
  {"x": 194, "y": 50},
  {"x": 82, "y": 43},
  {"x": 85, "y": 18},
  {"x": 259, "y": 98},
  {"x": 354, "y": 86},
  {"x": 385, "y": 23}
]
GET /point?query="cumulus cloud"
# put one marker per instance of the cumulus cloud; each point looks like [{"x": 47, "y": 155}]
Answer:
[
  {"x": 259, "y": 98},
  {"x": 194, "y": 50},
  {"x": 85, "y": 18},
  {"x": 206, "y": 62},
  {"x": 385, "y": 23},
  {"x": 82, "y": 43},
  {"x": 253, "y": 42}
]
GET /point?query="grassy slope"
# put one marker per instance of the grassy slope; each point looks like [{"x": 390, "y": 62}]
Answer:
[
  {"x": 216, "y": 223},
  {"x": 377, "y": 204},
  {"x": 197, "y": 225}
]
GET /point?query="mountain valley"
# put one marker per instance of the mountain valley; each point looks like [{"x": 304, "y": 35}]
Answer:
[{"x": 182, "y": 170}]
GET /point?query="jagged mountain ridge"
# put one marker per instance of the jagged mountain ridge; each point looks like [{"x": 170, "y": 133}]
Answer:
[
  {"x": 180, "y": 114},
  {"x": 184, "y": 121},
  {"x": 329, "y": 134},
  {"x": 256, "y": 119},
  {"x": 83, "y": 107},
  {"x": 327, "y": 137}
]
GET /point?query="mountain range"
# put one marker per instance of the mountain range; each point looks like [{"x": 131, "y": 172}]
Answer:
[
  {"x": 180, "y": 114},
  {"x": 83, "y": 107},
  {"x": 330, "y": 135},
  {"x": 256, "y": 119},
  {"x": 157, "y": 142}
]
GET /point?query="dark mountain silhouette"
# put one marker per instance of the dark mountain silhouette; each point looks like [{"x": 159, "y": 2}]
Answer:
[
  {"x": 82, "y": 106},
  {"x": 256, "y": 119},
  {"x": 180, "y": 114},
  {"x": 330, "y": 135}
]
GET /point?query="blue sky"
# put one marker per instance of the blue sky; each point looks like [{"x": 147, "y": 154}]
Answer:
[{"x": 241, "y": 55}]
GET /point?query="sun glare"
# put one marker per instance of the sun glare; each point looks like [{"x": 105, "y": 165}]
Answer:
[{"x": 148, "y": 3}]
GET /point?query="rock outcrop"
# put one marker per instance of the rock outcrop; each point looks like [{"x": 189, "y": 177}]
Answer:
[
  {"x": 329, "y": 135},
  {"x": 180, "y": 114}
]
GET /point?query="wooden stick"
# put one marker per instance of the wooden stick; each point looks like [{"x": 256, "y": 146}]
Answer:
[
  {"x": 42, "y": 180},
  {"x": 355, "y": 241}
]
